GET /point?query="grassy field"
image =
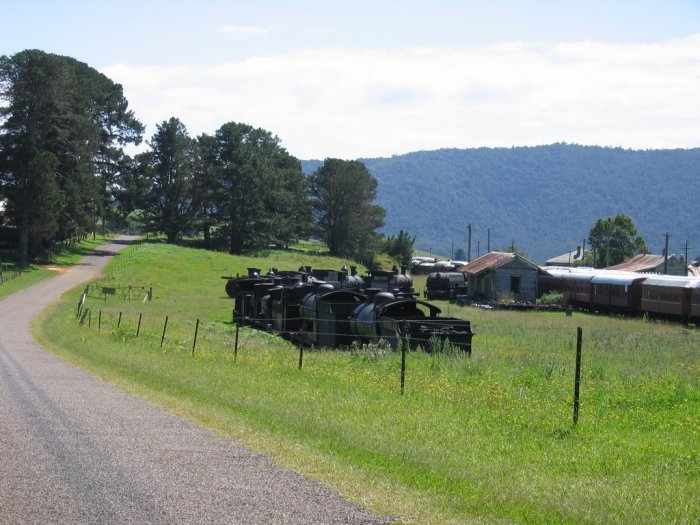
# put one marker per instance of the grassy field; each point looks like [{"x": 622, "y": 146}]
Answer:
[
  {"x": 482, "y": 440},
  {"x": 18, "y": 279}
]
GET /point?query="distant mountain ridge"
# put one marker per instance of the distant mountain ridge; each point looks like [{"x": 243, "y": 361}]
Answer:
[{"x": 542, "y": 199}]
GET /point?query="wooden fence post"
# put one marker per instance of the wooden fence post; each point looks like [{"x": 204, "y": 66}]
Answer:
[
  {"x": 577, "y": 380},
  {"x": 235, "y": 344},
  {"x": 165, "y": 325},
  {"x": 404, "y": 345},
  {"x": 194, "y": 343}
]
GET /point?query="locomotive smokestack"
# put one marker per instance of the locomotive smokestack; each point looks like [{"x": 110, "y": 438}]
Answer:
[
  {"x": 403, "y": 269},
  {"x": 353, "y": 270},
  {"x": 371, "y": 293}
]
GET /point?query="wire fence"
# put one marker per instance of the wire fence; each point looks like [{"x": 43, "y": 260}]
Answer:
[
  {"x": 6, "y": 276},
  {"x": 196, "y": 336},
  {"x": 124, "y": 292}
]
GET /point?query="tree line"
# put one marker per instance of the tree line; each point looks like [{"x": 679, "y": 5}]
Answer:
[{"x": 64, "y": 171}]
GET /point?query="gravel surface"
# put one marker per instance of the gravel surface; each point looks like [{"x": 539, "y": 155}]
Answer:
[{"x": 74, "y": 449}]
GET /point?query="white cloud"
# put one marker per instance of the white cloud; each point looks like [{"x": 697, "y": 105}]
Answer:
[
  {"x": 364, "y": 103},
  {"x": 242, "y": 31}
]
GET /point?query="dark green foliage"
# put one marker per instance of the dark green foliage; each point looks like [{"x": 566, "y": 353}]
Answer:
[
  {"x": 342, "y": 194},
  {"x": 400, "y": 247},
  {"x": 544, "y": 198},
  {"x": 258, "y": 189},
  {"x": 614, "y": 240},
  {"x": 62, "y": 128},
  {"x": 170, "y": 168}
]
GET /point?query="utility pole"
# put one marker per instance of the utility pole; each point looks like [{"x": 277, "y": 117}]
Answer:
[
  {"x": 666, "y": 254},
  {"x": 488, "y": 240},
  {"x": 478, "y": 249},
  {"x": 686, "y": 258},
  {"x": 469, "y": 247},
  {"x": 512, "y": 246}
]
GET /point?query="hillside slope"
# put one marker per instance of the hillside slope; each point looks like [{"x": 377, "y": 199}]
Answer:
[{"x": 543, "y": 199}]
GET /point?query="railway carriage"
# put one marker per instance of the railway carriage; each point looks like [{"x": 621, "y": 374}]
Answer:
[
  {"x": 574, "y": 284},
  {"x": 667, "y": 295},
  {"x": 617, "y": 291}
]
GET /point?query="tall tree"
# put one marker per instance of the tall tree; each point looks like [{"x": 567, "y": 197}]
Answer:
[
  {"x": 615, "y": 239},
  {"x": 127, "y": 188},
  {"x": 400, "y": 246},
  {"x": 60, "y": 123},
  {"x": 170, "y": 167},
  {"x": 31, "y": 123},
  {"x": 206, "y": 189},
  {"x": 342, "y": 194},
  {"x": 260, "y": 193}
]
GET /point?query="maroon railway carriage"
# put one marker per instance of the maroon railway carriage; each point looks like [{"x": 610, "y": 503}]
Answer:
[
  {"x": 617, "y": 291},
  {"x": 574, "y": 284},
  {"x": 668, "y": 295}
]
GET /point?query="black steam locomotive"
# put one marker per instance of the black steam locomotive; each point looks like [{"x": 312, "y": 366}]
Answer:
[{"x": 332, "y": 309}]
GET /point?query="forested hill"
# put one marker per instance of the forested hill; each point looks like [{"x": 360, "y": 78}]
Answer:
[{"x": 544, "y": 199}]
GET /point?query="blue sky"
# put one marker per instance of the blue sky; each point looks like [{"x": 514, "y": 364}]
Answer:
[{"x": 364, "y": 79}]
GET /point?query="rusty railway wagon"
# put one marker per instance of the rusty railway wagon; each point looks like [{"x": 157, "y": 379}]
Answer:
[{"x": 446, "y": 285}]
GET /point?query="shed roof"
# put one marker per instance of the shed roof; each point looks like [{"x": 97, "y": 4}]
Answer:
[
  {"x": 567, "y": 258},
  {"x": 493, "y": 260},
  {"x": 641, "y": 263}
]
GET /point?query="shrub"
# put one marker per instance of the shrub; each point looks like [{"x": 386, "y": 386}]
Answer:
[{"x": 552, "y": 297}]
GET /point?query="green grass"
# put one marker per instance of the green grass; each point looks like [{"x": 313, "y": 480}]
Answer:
[
  {"x": 481, "y": 440},
  {"x": 35, "y": 273}
]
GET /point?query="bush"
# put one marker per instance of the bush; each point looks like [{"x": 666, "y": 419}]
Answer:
[{"x": 552, "y": 297}]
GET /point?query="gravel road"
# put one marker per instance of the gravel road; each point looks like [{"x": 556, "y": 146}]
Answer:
[{"x": 74, "y": 449}]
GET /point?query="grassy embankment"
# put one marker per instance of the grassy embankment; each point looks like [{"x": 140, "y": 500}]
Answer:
[
  {"x": 481, "y": 440},
  {"x": 38, "y": 272}
]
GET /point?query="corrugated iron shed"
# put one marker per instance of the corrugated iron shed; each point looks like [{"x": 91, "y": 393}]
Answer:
[
  {"x": 493, "y": 260},
  {"x": 641, "y": 263},
  {"x": 485, "y": 262}
]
